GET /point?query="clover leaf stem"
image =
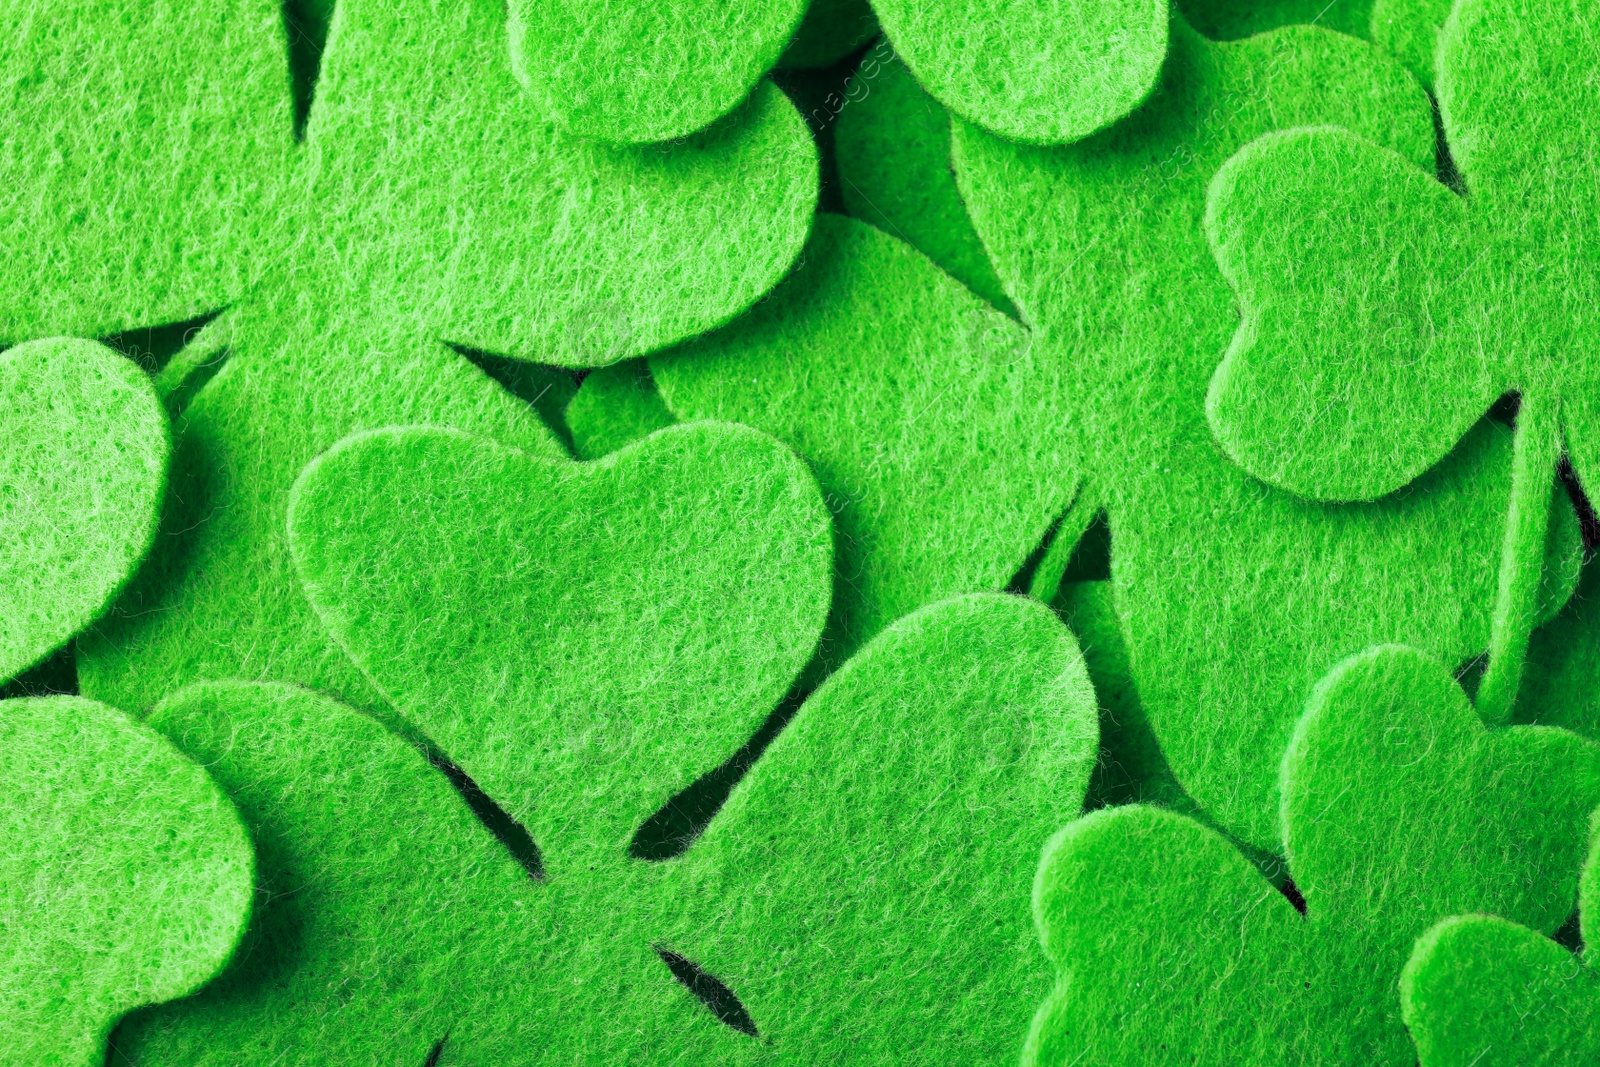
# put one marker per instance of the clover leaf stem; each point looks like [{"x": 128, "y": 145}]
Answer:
[{"x": 1535, "y": 454}]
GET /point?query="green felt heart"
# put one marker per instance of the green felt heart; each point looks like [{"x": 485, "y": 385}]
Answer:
[
  {"x": 136, "y": 193},
  {"x": 432, "y": 207},
  {"x": 1038, "y": 71},
  {"x": 633, "y": 73},
  {"x": 956, "y": 460},
  {"x": 544, "y": 622},
  {"x": 1235, "y": 598},
  {"x": 1382, "y": 312},
  {"x": 1480, "y": 991},
  {"x": 125, "y": 877},
  {"x": 1398, "y": 808},
  {"x": 83, "y": 457}
]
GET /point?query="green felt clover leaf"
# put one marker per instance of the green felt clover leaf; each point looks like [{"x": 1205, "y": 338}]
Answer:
[
  {"x": 1383, "y": 313},
  {"x": 643, "y": 612},
  {"x": 138, "y": 191},
  {"x": 125, "y": 877},
  {"x": 634, "y": 73},
  {"x": 435, "y": 214},
  {"x": 956, "y": 458},
  {"x": 1399, "y": 808},
  {"x": 1480, "y": 991},
  {"x": 1235, "y": 598},
  {"x": 83, "y": 464}
]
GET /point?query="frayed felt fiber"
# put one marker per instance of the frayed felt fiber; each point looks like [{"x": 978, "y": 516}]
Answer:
[
  {"x": 1231, "y": 595},
  {"x": 1399, "y": 808},
  {"x": 431, "y": 207},
  {"x": 83, "y": 466},
  {"x": 635, "y": 73},
  {"x": 126, "y": 877},
  {"x": 957, "y": 459},
  {"x": 615, "y": 406},
  {"x": 645, "y": 611},
  {"x": 1482, "y": 991}
]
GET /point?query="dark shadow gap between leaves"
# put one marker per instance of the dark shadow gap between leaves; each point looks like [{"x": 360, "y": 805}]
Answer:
[
  {"x": 546, "y": 389},
  {"x": 56, "y": 675},
  {"x": 307, "y": 35},
  {"x": 710, "y": 991},
  {"x": 436, "y": 1052},
  {"x": 151, "y": 347},
  {"x": 508, "y": 831}
]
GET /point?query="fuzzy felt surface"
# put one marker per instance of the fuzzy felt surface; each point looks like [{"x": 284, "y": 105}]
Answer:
[
  {"x": 432, "y": 208},
  {"x": 615, "y": 406},
  {"x": 830, "y": 31},
  {"x": 1482, "y": 990},
  {"x": 892, "y": 147},
  {"x": 1383, "y": 313},
  {"x": 1232, "y": 596},
  {"x": 864, "y": 890},
  {"x": 636, "y": 73},
  {"x": 1562, "y": 682},
  {"x": 957, "y": 459},
  {"x": 83, "y": 465},
  {"x": 1399, "y": 808},
  {"x": 645, "y": 611},
  {"x": 136, "y": 193},
  {"x": 1037, "y": 71},
  {"x": 125, "y": 877},
  {"x": 1409, "y": 30}
]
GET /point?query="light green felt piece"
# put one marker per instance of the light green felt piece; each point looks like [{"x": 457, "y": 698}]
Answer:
[
  {"x": 1480, "y": 991},
  {"x": 1409, "y": 30},
  {"x": 864, "y": 891},
  {"x": 956, "y": 459},
  {"x": 434, "y": 209},
  {"x": 637, "y": 73},
  {"x": 1037, "y": 71},
  {"x": 1231, "y": 20},
  {"x": 83, "y": 464},
  {"x": 892, "y": 144},
  {"x": 1234, "y": 598},
  {"x": 644, "y": 611},
  {"x": 125, "y": 877},
  {"x": 135, "y": 192},
  {"x": 1399, "y": 808},
  {"x": 615, "y": 406},
  {"x": 830, "y": 31},
  {"x": 1382, "y": 313}
]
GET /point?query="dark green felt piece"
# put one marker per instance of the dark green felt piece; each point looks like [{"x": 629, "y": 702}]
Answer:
[
  {"x": 830, "y": 31},
  {"x": 125, "y": 877},
  {"x": 539, "y": 620},
  {"x": 1383, "y": 314},
  {"x": 1562, "y": 683},
  {"x": 637, "y": 73},
  {"x": 1231, "y": 20},
  {"x": 83, "y": 464},
  {"x": 1399, "y": 808},
  {"x": 135, "y": 192},
  {"x": 615, "y": 406},
  {"x": 389, "y": 921},
  {"x": 892, "y": 144},
  {"x": 1480, "y": 991},
  {"x": 1409, "y": 30},
  {"x": 1235, "y": 598},
  {"x": 864, "y": 891},
  {"x": 956, "y": 459},
  {"x": 1037, "y": 71},
  {"x": 433, "y": 208}
]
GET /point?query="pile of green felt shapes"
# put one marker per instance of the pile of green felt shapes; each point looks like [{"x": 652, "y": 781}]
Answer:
[{"x": 1043, "y": 533}]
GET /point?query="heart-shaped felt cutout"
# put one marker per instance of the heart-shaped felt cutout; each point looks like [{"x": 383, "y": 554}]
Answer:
[{"x": 83, "y": 462}]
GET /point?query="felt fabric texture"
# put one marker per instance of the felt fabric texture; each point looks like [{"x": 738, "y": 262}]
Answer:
[
  {"x": 83, "y": 465},
  {"x": 957, "y": 459},
  {"x": 1480, "y": 991},
  {"x": 1409, "y": 30},
  {"x": 637, "y": 73},
  {"x": 864, "y": 890},
  {"x": 1234, "y": 598},
  {"x": 615, "y": 406},
  {"x": 1399, "y": 808},
  {"x": 136, "y": 193},
  {"x": 125, "y": 877},
  {"x": 430, "y": 208},
  {"x": 1232, "y": 20},
  {"x": 892, "y": 146},
  {"x": 1562, "y": 685},
  {"x": 642, "y": 612},
  {"x": 1036, "y": 71},
  {"x": 830, "y": 31},
  {"x": 1383, "y": 313}
]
